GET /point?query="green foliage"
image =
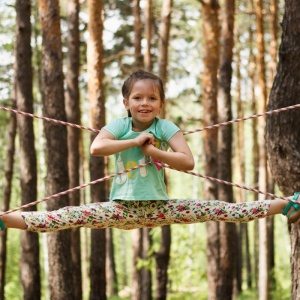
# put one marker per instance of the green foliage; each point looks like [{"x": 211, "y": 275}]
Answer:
[{"x": 13, "y": 289}]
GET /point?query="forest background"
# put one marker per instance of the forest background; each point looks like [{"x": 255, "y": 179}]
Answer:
[{"x": 218, "y": 61}]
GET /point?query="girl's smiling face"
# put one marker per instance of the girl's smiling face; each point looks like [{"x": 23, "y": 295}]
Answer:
[{"x": 144, "y": 103}]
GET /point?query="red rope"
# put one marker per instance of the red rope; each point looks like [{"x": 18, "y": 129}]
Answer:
[
  {"x": 73, "y": 189},
  {"x": 186, "y": 132},
  {"x": 245, "y": 118},
  {"x": 231, "y": 184},
  {"x": 139, "y": 166},
  {"x": 47, "y": 119}
]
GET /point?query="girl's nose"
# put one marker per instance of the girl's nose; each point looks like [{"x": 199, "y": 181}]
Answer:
[{"x": 145, "y": 101}]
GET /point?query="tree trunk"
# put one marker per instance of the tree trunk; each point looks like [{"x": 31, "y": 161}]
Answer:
[
  {"x": 147, "y": 239},
  {"x": 163, "y": 255},
  {"x": 137, "y": 34},
  {"x": 60, "y": 268},
  {"x": 146, "y": 271},
  {"x": 210, "y": 13},
  {"x": 283, "y": 130},
  {"x": 111, "y": 274},
  {"x": 162, "y": 262},
  {"x": 225, "y": 193},
  {"x": 271, "y": 182},
  {"x": 164, "y": 39},
  {"x": 9, "y": 166},
  {"x": 255, "y": 148},
  {"x": 137, "y": 234},
  {"x": 73, "y": 116},
  {"x": 30, "y": 266},
  {"x": 240, "y": 173},
  {"x": 136, "y": 286},
  {"x": 264, "y": 278},
  {"x": 148, "y": 35},
  {"x": 97, "y": 164},
  {"x": 274, "y": 34}
]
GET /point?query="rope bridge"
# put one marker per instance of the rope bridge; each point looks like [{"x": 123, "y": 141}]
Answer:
[{"x": 159, "y": 164}]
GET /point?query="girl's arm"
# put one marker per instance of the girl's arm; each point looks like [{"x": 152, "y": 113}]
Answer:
[
  {"x": 105, "y": 143},
  {"x": 181, "y": 158}
]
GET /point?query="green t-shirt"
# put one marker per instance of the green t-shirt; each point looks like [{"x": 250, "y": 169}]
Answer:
[{"x": 145, "y": 183}]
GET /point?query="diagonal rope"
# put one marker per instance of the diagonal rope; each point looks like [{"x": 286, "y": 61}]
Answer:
[
  {"x": 74, "y": 189},
  {"x": 186, "y": 132},
  {"x": 139, "y": 166},
  {"x": 26, "y": 114},
  {"x": 229, "y": 183},
  {"x": 244, "y": 119}
]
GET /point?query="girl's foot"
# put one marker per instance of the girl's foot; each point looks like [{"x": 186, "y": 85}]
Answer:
[
  {"x": 292, "y": 209},
  {"x": 12, "y": 220},
  {"x": 2, "y": 226}
]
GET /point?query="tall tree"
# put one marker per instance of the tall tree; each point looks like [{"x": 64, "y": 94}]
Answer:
[
  {"x": 162, "y": 256},
  {"x": 264, "y": 276},
  {"x": 283, "y": 130},
  {"x": 255, "y": 148},
  {"x": 111, "y": 273},
  {"x": 147, "y": 238},
  {"x": 30, "y": 266},
  {"x": 148, "y": 35},
  {"x": 59, "y": 243},
  {"x": 73, "y": 116},
  {"x": 137, "y": 34},
  {"x": 137, "y": 234},
  {"x": 209, "y": 83},
  {"x": 225, "y": 193},
  {"x": 97, "y": 120},
  {"x": 7, "y": 183}
]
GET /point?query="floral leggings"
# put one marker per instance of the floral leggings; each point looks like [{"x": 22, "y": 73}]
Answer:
[{"x": 136, "y": 214}]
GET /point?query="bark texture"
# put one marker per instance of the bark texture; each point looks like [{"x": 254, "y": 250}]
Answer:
[
  {"x": 30, "y": 266},
  {"x": 9, "y": 164},
  {"x": 59, "y": 243},
  {"x": 97, "y": 164},
  {"x": 225, "y": 193},
  {"x": 211, "y": 48},
  {"x": 74, "y": 135},
  {"x": 283, "y": 130}
]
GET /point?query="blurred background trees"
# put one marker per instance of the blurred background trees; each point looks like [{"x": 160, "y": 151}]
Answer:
[{"x": 67, "y": 60}]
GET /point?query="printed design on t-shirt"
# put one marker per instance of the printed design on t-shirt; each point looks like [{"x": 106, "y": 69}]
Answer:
[{"x": 143, "y": 172}]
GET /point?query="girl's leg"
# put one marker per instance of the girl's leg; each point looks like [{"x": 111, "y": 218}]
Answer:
[
  {"x": 187, "y": 211},
  {"x": 121, "y": 214},
  {"x": 276, "y": 207},
  {"x": 13, "y": 220}
]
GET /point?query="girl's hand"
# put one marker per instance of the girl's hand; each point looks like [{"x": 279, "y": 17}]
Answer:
[
  {"x": 144, "y": 138},
  {"x": 147, "y": 149}
]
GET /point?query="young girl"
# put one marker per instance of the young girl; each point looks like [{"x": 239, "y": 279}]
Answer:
[{"x": 138, "y": 198}]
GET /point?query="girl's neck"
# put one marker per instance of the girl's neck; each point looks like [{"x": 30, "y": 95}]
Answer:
[{"x": 140, "y": 126}]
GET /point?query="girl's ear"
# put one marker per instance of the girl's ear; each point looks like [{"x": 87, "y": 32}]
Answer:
[{"x": 125, "y": 102}]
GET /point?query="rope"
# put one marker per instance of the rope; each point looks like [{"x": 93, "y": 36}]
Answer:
[
  {"x": 73, "y": 189},
  {"x": 26, "y": 114},
  {"x": 143, "y": 165},
  {"x": 244, "y": 119},
  {"x": 186, "y": 132},
  {"x": 230, "y": 183}
]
